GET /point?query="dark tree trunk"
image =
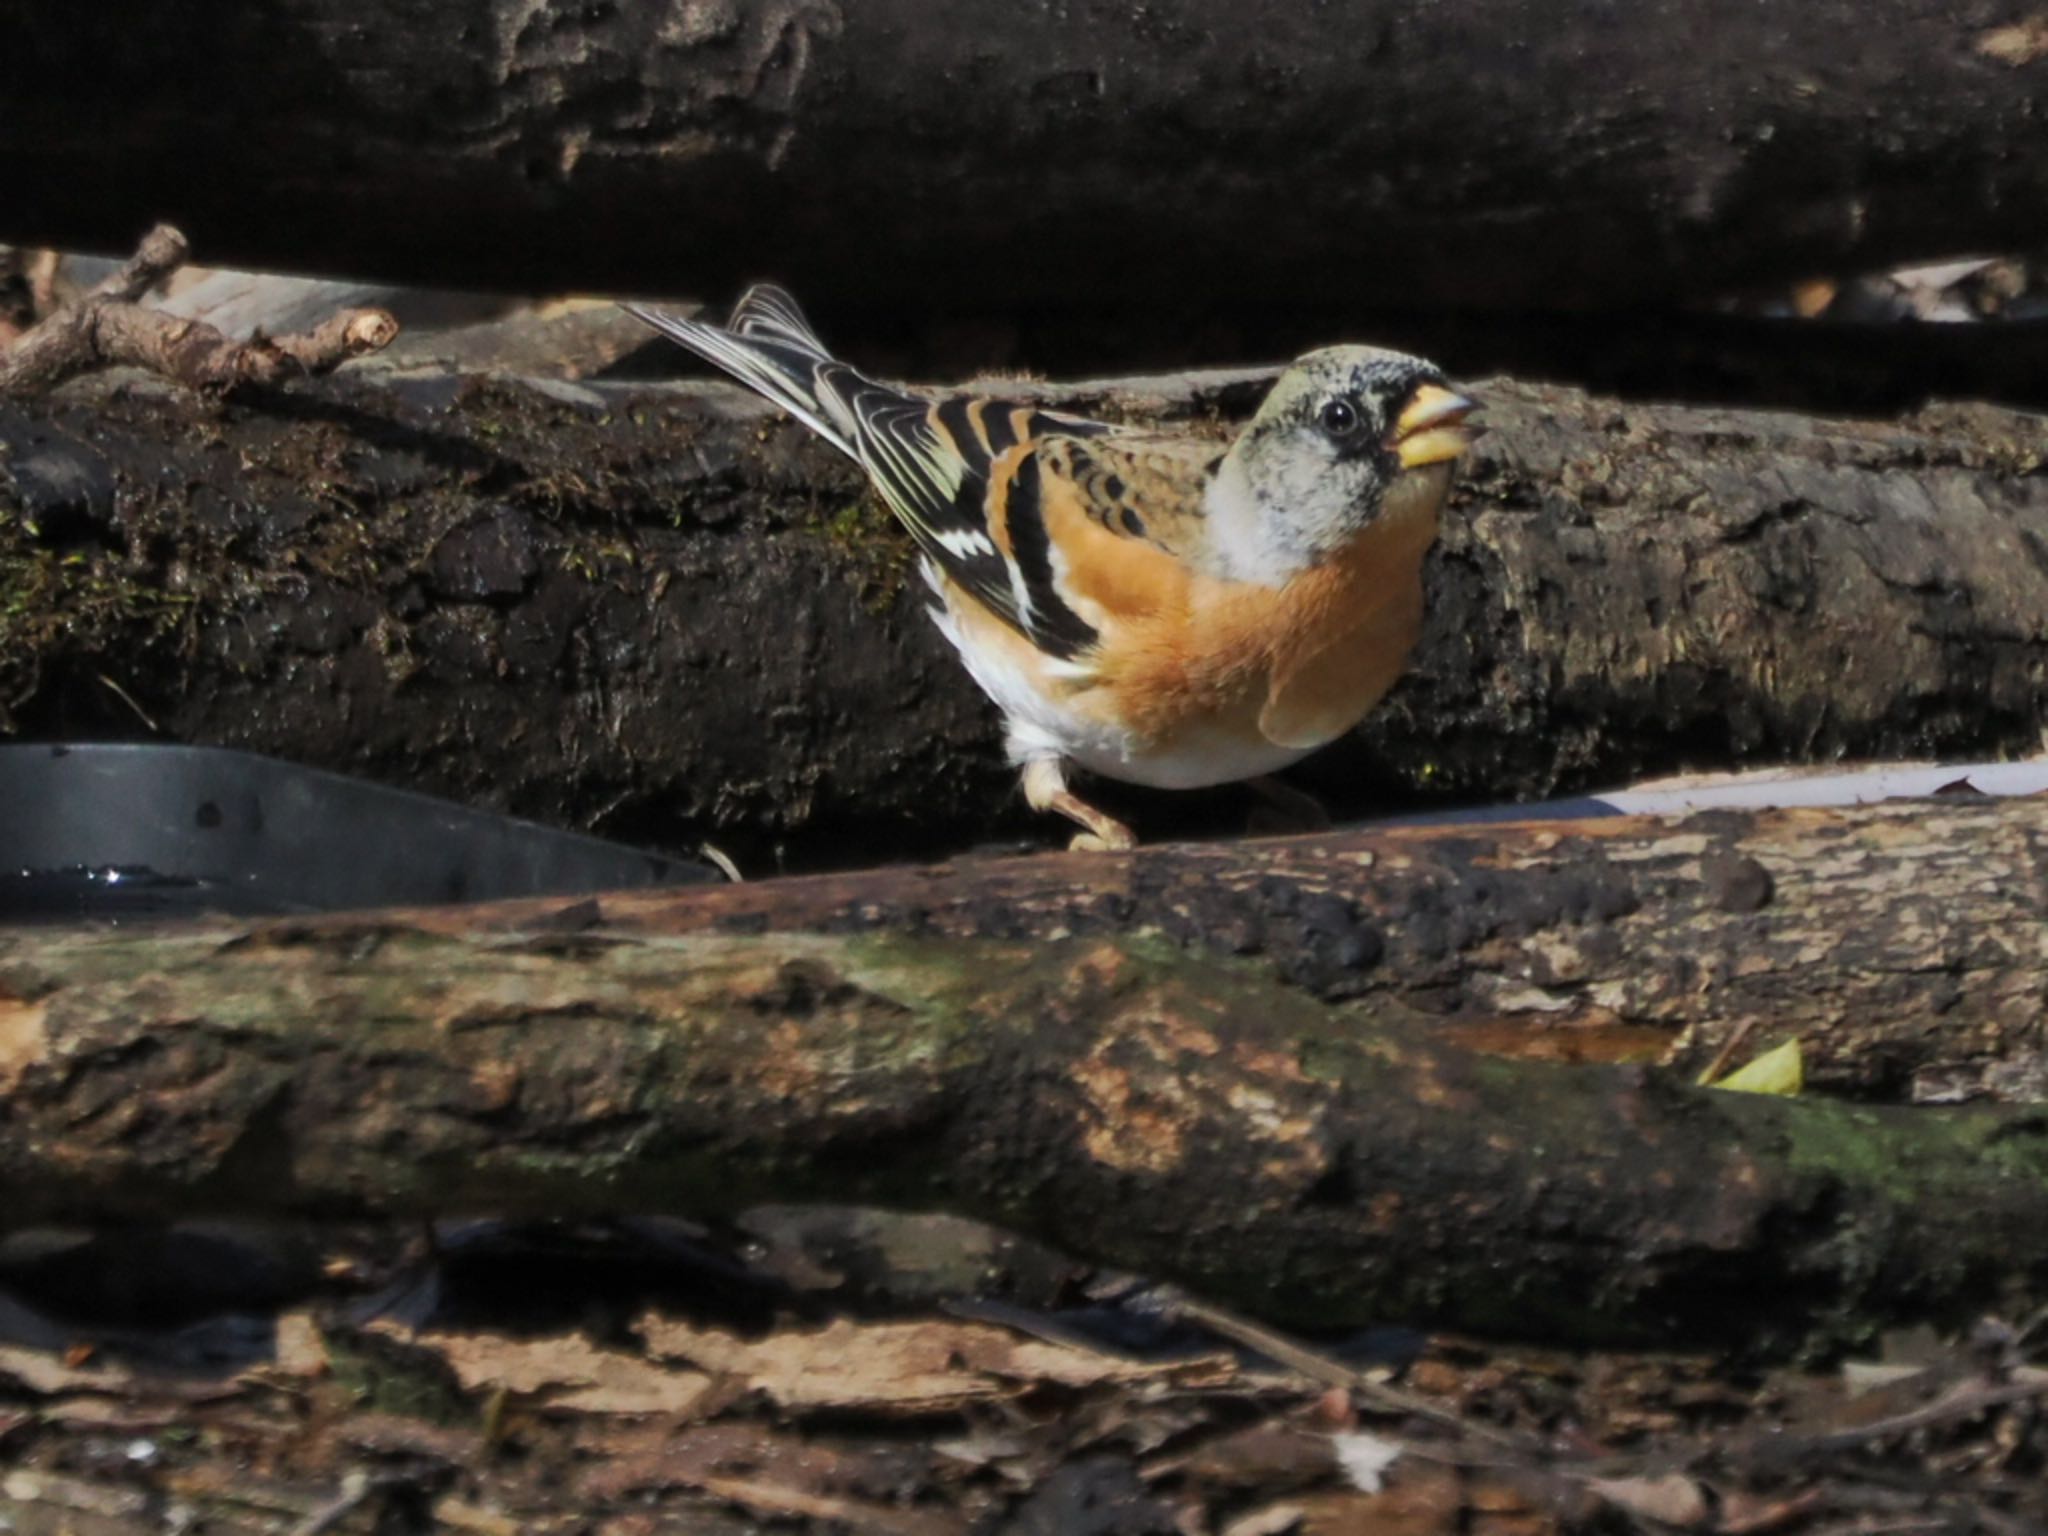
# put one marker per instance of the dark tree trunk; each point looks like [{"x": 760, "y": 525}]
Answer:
[
  {"x": 661, "y": 614},
  {"x": 1189, "y": 156},
  {"x": 933, "y": 1041}
]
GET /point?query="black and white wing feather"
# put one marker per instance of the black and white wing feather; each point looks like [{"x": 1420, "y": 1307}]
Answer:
[{"x": 933, "y": 462}]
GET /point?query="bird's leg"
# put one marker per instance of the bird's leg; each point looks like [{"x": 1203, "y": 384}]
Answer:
[
  {"x": 1045, "y": 789},
  {"x": 1285, "y": 808}
]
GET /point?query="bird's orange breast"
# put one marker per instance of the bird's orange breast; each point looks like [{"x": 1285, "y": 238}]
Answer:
[
  {"x": 1297, "y": 665},
  {"x": 1194, "y": 680}
]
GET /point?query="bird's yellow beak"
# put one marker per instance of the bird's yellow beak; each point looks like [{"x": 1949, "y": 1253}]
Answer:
[{"x": 1432, "y": 429}]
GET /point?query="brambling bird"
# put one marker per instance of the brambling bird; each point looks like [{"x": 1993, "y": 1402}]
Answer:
[{"x": 1156, "y": 608}]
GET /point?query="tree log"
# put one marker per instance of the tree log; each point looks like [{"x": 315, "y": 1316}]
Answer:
[
  {"x": 1020, "y": 1042},
  {"x": 1904, "y": 944},
  {"x": 887, "y": 155},
  {"x": 662, "y": 614}
]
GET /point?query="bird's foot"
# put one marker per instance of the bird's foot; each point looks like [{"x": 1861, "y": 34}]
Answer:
[
  {"x": 1119, "y": 840},
  {"x": 1045, "y": 789}
]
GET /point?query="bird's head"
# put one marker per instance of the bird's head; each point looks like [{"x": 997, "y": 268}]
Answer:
[{"x": 1349, "y": 437}]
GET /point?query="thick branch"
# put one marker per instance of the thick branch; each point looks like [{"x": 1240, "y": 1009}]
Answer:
[
  {"x": 1905, "y": 944},
  {"x": 1183, "y": 1115},
  {"x": 1461, "y": 153},
  {"x": 664, "y": 615}
]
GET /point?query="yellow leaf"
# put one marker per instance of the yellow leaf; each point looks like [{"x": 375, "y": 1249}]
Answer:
[{"x": 1781, "y": 1071}]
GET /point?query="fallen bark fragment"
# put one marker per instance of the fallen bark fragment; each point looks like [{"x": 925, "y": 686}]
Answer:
[
  {"x": 909, "y": 1368},
  {"x": 1137, "y": 1104},
  {"x": 568, "y": 1374}
]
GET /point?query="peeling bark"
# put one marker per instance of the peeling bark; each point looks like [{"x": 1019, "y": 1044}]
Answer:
[
  {"x": 1023, "y": 1042},
  {"x": 663, "y": 615}
]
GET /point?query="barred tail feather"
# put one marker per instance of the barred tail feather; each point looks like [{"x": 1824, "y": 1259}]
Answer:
[
  {"x": 928, "y": 460},
  {"x": 768, "y": 313},
  {"x": 770, "y": 351}
]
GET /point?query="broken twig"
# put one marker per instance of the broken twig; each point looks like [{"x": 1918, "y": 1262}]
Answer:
[{"x": 108, "y": 328}]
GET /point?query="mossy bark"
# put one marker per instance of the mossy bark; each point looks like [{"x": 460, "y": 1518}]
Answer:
[
  {"x": 1905, "y": 945},
  {"x": 662, "y": 614},
  {"x": 1028, "y": 1046}
]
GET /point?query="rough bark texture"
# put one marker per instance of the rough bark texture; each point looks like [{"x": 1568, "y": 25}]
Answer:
[
  {"x": 661, "y": 614},
  {"x": 1175, "y": 1113},
  {"x": 1362, "y": 151},
  {"x": 1905, "y": 945}
]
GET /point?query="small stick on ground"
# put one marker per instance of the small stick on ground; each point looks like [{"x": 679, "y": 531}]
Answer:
[
  {"x": 1726, "y": 1054},
  {"x": 1296, "y": 1356},
  {"x": 108, "y": 329}
]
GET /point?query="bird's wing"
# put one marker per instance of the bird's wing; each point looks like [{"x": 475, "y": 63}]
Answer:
[
  {"x": 986, "y": 486},
  {"x": 1139, "y": 486},
  {"x": 1091, "y": 524},
  {"x": 965, "y": 474}
]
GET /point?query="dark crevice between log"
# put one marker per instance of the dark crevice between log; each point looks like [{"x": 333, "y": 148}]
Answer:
[{"x": 1811, "y": 366}]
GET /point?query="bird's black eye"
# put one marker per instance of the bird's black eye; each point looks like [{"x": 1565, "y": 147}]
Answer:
[{"x": 1339, "y": 418}]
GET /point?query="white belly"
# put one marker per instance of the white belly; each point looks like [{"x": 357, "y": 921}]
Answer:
[
  {"x": 1046, "y": 721},
  {"x": 1193, "y": 759}
]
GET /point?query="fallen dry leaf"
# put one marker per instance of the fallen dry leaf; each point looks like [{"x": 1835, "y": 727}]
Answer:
[
  {"x": 392, "y": 1435},
  {"x": 567, "y": 1373},
  {"x": 113, "y": 1415},
  {"x": 301, "y": 1348},
  {"x": 1813, "y": 296},
  {"x": 854, "y": 1514},
  {"x": 245, "y": 1490},
  {"x": 43, "y": 1372},
  {"x": 1673, "y": 1499},
  {"x": 1268, "y": 1457},
  {"x": 919, "y": 1367},
  {"x": 1496, "y": 1508},
  {"x": 75, "y": 1495},
  {"x": 1420, "y": 1509},
  {"x": 2021, "y": 43},
  {"x": 1780, "y": 1071},
  {"x": 460, "y": 1515},
  {"x": 1003, "y": 1448},
  {"x": 1751, "y": 1514},
  {"x": 1423, "y": 1498},
  {"x": 1273, "y": 1520},
  {"x": 23, "y": 1038},
  {"x": 644, "y": 1461}
]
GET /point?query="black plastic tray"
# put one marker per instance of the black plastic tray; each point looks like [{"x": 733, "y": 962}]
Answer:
[{"x": 164, "y": 831}]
